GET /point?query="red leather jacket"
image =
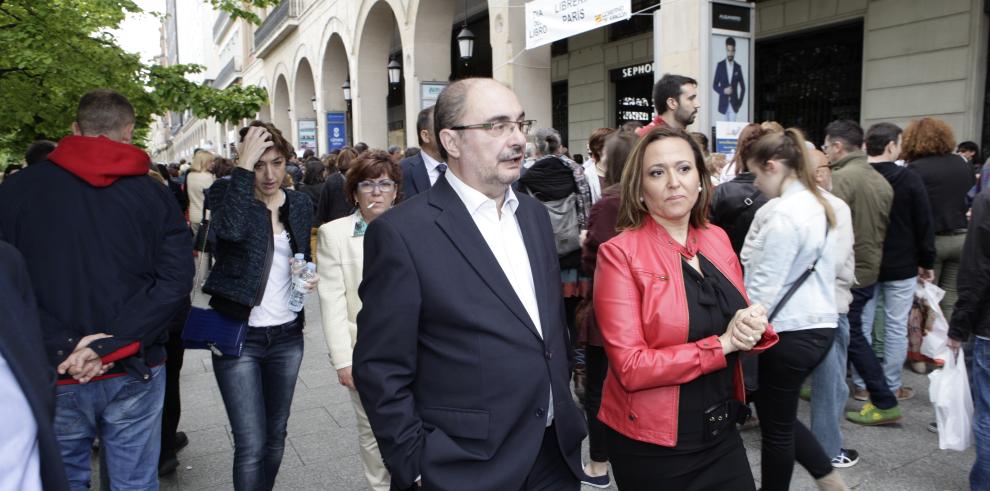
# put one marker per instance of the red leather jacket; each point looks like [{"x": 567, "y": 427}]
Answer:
[{"x": 642, "y": 311}]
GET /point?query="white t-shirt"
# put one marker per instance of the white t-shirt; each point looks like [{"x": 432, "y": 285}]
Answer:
[
  {"x": 20, "y": 467},
  {"x": 274, "y": 308}
]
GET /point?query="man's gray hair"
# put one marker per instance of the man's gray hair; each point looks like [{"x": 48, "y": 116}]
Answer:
[
  {"x": 547, "y": 141},
  {"x": 394, "y": 149}
]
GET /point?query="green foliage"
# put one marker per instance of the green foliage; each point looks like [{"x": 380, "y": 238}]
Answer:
[{"x": 54, "y": 51}]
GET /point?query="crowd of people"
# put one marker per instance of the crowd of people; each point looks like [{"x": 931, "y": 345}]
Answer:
[{"x": 488, "y": 298}]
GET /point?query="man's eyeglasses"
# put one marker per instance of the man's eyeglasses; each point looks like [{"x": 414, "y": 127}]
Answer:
[
  {"x": 499, "y": 128},
  {"x": 367, "y": 187}
]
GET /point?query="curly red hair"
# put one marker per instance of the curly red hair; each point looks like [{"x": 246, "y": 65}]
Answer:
[{"x": 927, "y": 137}]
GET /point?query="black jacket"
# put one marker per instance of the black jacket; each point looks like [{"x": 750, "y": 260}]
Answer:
[
  {"x": 111, "y": 258},
  {"x": 734, "y": 205},
  {"x": 333, "y": 202},
  {"x": 23, "y": 349},
  {"x": 245, "y": 244},
  {"x": 910, "y": 241},
  {"x": 972, "y": 312},
  {"x": 947, "y": 178}
]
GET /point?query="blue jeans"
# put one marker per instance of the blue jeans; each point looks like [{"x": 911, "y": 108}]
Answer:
[
  {"x": 861, "y": 353},
  {"x": 897, "y": 299},
  {"x": 126, "y": 414},
  {"x": 979, "y": 477},
  {"x": 257, "y": 390},
  {"x": 829, "y": 392}
]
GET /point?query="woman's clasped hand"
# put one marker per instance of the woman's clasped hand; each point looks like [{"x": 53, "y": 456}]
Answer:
[{"x": 745, "y": 329}]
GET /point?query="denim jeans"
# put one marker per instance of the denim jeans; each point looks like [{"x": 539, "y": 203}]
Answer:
[
  {"x": 861, "y": 353},
  {"x": 126, "y": 414},
  {"x": 785, "y": 439},
  {"x": 257, "y": 390},
  {"x": 897, "y": 299},
  {"x": 979, "y": 477},
  {"x": 829, "y": 392}
]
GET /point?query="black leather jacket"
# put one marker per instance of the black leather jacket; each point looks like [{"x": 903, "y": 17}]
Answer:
[
  {"x": 244, "y": 241},
  {"x": 734, "y": 205},
  {"x": 972, "y": 310}
]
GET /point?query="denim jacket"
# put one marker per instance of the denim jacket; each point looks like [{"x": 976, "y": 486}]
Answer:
[{"x": 787, "y": 236}]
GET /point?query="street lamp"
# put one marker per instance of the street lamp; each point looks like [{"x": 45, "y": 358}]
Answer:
[
  {"x": 465, "y": 43},
  {"x": 347, "y": 90},
  {"x": 313, "y": 100},
  {"x": 394, "y": 71}
]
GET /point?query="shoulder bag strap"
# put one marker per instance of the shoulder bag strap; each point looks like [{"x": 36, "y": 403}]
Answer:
[{"x": 804, "y": 276}]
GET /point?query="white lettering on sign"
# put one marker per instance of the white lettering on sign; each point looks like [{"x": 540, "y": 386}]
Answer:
[
  {"x": 550, "y": 20},
  {"x": 728, "y": 17},
  {"x": 637, "y": 70}
]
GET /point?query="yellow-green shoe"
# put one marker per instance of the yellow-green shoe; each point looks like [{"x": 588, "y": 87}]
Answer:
[{"x": 871, "y": 415}]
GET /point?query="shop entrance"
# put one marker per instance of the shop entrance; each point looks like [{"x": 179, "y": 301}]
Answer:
[{"x": 811, "y": 78}]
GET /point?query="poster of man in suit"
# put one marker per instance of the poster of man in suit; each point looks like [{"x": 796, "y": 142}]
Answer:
[{"x": 730, "y": 84}]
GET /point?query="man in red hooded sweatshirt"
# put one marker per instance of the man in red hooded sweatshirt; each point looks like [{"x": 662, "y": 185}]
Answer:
[{"x": 108, "y": 253}]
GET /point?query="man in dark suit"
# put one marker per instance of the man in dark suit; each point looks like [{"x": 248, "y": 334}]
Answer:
[
  {"x": 462, "y": 358},
  {"x": 29, "y": 452},
  {"x": 422, "y": 170},
  {"x": 730, "y": 90}
]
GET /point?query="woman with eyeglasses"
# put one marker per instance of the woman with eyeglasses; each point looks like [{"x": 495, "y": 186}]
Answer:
[{"x": 372, "y": 185}]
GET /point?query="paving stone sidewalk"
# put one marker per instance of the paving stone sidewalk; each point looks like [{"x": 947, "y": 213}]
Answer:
[{"x": 322, "y": 449}]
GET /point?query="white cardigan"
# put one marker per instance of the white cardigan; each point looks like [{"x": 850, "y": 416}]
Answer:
[{"x": 341, "y": 259}]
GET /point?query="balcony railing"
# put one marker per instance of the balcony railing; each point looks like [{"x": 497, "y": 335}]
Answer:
[
  {"x": 279, "y": 23},
  {"x": 227, "y": 75},
  {"x": 221, "y": 23}
]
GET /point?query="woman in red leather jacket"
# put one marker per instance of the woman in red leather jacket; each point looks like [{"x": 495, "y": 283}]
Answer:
[{"x": 673, "y": 314}]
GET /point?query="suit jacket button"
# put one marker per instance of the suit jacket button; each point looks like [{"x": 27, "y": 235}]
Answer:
[
  {"x": 59, "y": 352},
  {"x": 539, "y": 413},
  {"x": 549, "y": 355}
]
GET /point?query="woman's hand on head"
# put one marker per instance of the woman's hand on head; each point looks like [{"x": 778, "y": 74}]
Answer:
[{"x": 256, "y": 141}]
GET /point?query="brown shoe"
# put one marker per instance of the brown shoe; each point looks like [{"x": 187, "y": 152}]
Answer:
[
  {"x": 905, "y": 393},
  {"x": 861, "y": 394}
]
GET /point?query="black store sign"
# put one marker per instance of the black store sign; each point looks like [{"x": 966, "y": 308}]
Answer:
[
  {"x": 633, "y": 93},
  {"x": 730, "y": 17}
]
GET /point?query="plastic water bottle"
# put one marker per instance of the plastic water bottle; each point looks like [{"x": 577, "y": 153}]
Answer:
[{"x": 298, "y": 296}]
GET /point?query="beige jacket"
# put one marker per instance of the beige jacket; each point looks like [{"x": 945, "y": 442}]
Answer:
[
  {"x": 196, "y": 184},
  {"x": 341, "y": 259}
]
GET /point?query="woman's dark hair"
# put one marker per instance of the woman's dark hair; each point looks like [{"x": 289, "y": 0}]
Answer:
[
  {"x": 632, "y": 209},
  {"x": 222, "y": 167},
  {"x": 345, "y": 159},
  {"x": 370, "y": 165},
  {"x": 279, "y": 143},
  {"x": 596, "y": 142},
  {"x": 616, "y": 152},
  {"x": 788, "y": 149},
  {"x": 926, "y": 137},
  {"x": 316, "y": 172},
  {"x": 330, "y": 161}
]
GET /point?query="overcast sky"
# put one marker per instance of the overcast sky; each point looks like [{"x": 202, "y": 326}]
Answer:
[{"x": 140, "y": 33}]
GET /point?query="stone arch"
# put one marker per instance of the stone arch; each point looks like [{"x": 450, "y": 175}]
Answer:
[
  {"x": 281, "y": 105},
  {"x": 378, "y": 22},
  {"x": 304, "y": 92}
]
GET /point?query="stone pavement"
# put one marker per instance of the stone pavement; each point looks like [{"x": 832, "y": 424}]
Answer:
[{"x": 322, "y": 450}]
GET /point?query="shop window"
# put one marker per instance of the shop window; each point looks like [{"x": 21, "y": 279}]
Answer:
[
  {"x": 558, "y": 98},
  {"x": 637, "y": 24},
  {"x": 810, "y": 79}
]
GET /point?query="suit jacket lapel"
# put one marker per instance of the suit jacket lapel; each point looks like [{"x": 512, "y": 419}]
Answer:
[
  {"x": 420, "y": 177},
  {"x": 532, "y": 238},
  {"x": 455, "y": 221}
]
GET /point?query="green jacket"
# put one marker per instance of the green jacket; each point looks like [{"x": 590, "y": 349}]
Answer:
[{"x": 869, "y": 197}]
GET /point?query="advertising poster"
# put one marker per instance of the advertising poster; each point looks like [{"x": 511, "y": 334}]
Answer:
[
  {"x": 307, "y": 136},
  {"x": 336, "y": 130},
  {"x": 730, "y": 80},
  {"x": 726, "y": 136}
]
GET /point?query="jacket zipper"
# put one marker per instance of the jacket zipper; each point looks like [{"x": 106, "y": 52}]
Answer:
[{"x": 269, "y": 253}]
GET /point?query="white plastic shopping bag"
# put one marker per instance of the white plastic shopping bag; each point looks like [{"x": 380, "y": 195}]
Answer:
[
  {"x": 935, "y": 338},
  {"x": 949, "y": 393}
]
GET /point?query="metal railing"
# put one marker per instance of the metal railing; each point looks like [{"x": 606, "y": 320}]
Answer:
[
  {"x": 287, "y": 9},
  {"x": 220, "y": 24}
]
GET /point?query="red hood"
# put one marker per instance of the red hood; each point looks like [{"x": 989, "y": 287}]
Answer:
[
  {"x": 99, "y": 160},
  {"x": 657, "y": 121}
]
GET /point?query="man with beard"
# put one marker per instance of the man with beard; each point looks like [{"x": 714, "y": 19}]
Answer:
[
  {"x": 675, "y": 98},
  {"x": 462, "y": 352}
]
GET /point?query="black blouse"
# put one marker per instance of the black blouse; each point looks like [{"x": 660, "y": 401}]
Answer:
[{"x": 712, "y": 301}]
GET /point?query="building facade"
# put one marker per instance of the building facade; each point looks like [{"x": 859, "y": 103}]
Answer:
[{"x": 814, "y": 61}]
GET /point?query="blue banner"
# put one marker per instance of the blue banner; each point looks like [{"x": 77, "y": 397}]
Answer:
[{"x": 336, "y": 130}]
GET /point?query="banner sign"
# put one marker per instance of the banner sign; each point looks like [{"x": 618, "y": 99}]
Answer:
[
  {"x": 429, "y": 93},
  {"x": 336, "y": 130},
  {"x": 550, "y": 20},
  {"x": 727, "y": 135}
]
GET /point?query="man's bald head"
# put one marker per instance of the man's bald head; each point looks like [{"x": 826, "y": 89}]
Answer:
[
  {"x": 823, "y": 172},
  {"x": 450, "y": 108}
]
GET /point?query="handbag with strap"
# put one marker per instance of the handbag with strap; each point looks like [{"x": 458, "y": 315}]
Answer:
[
  {"x": 801, "y": 279},
  {"x": 205, "y": 327}
]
